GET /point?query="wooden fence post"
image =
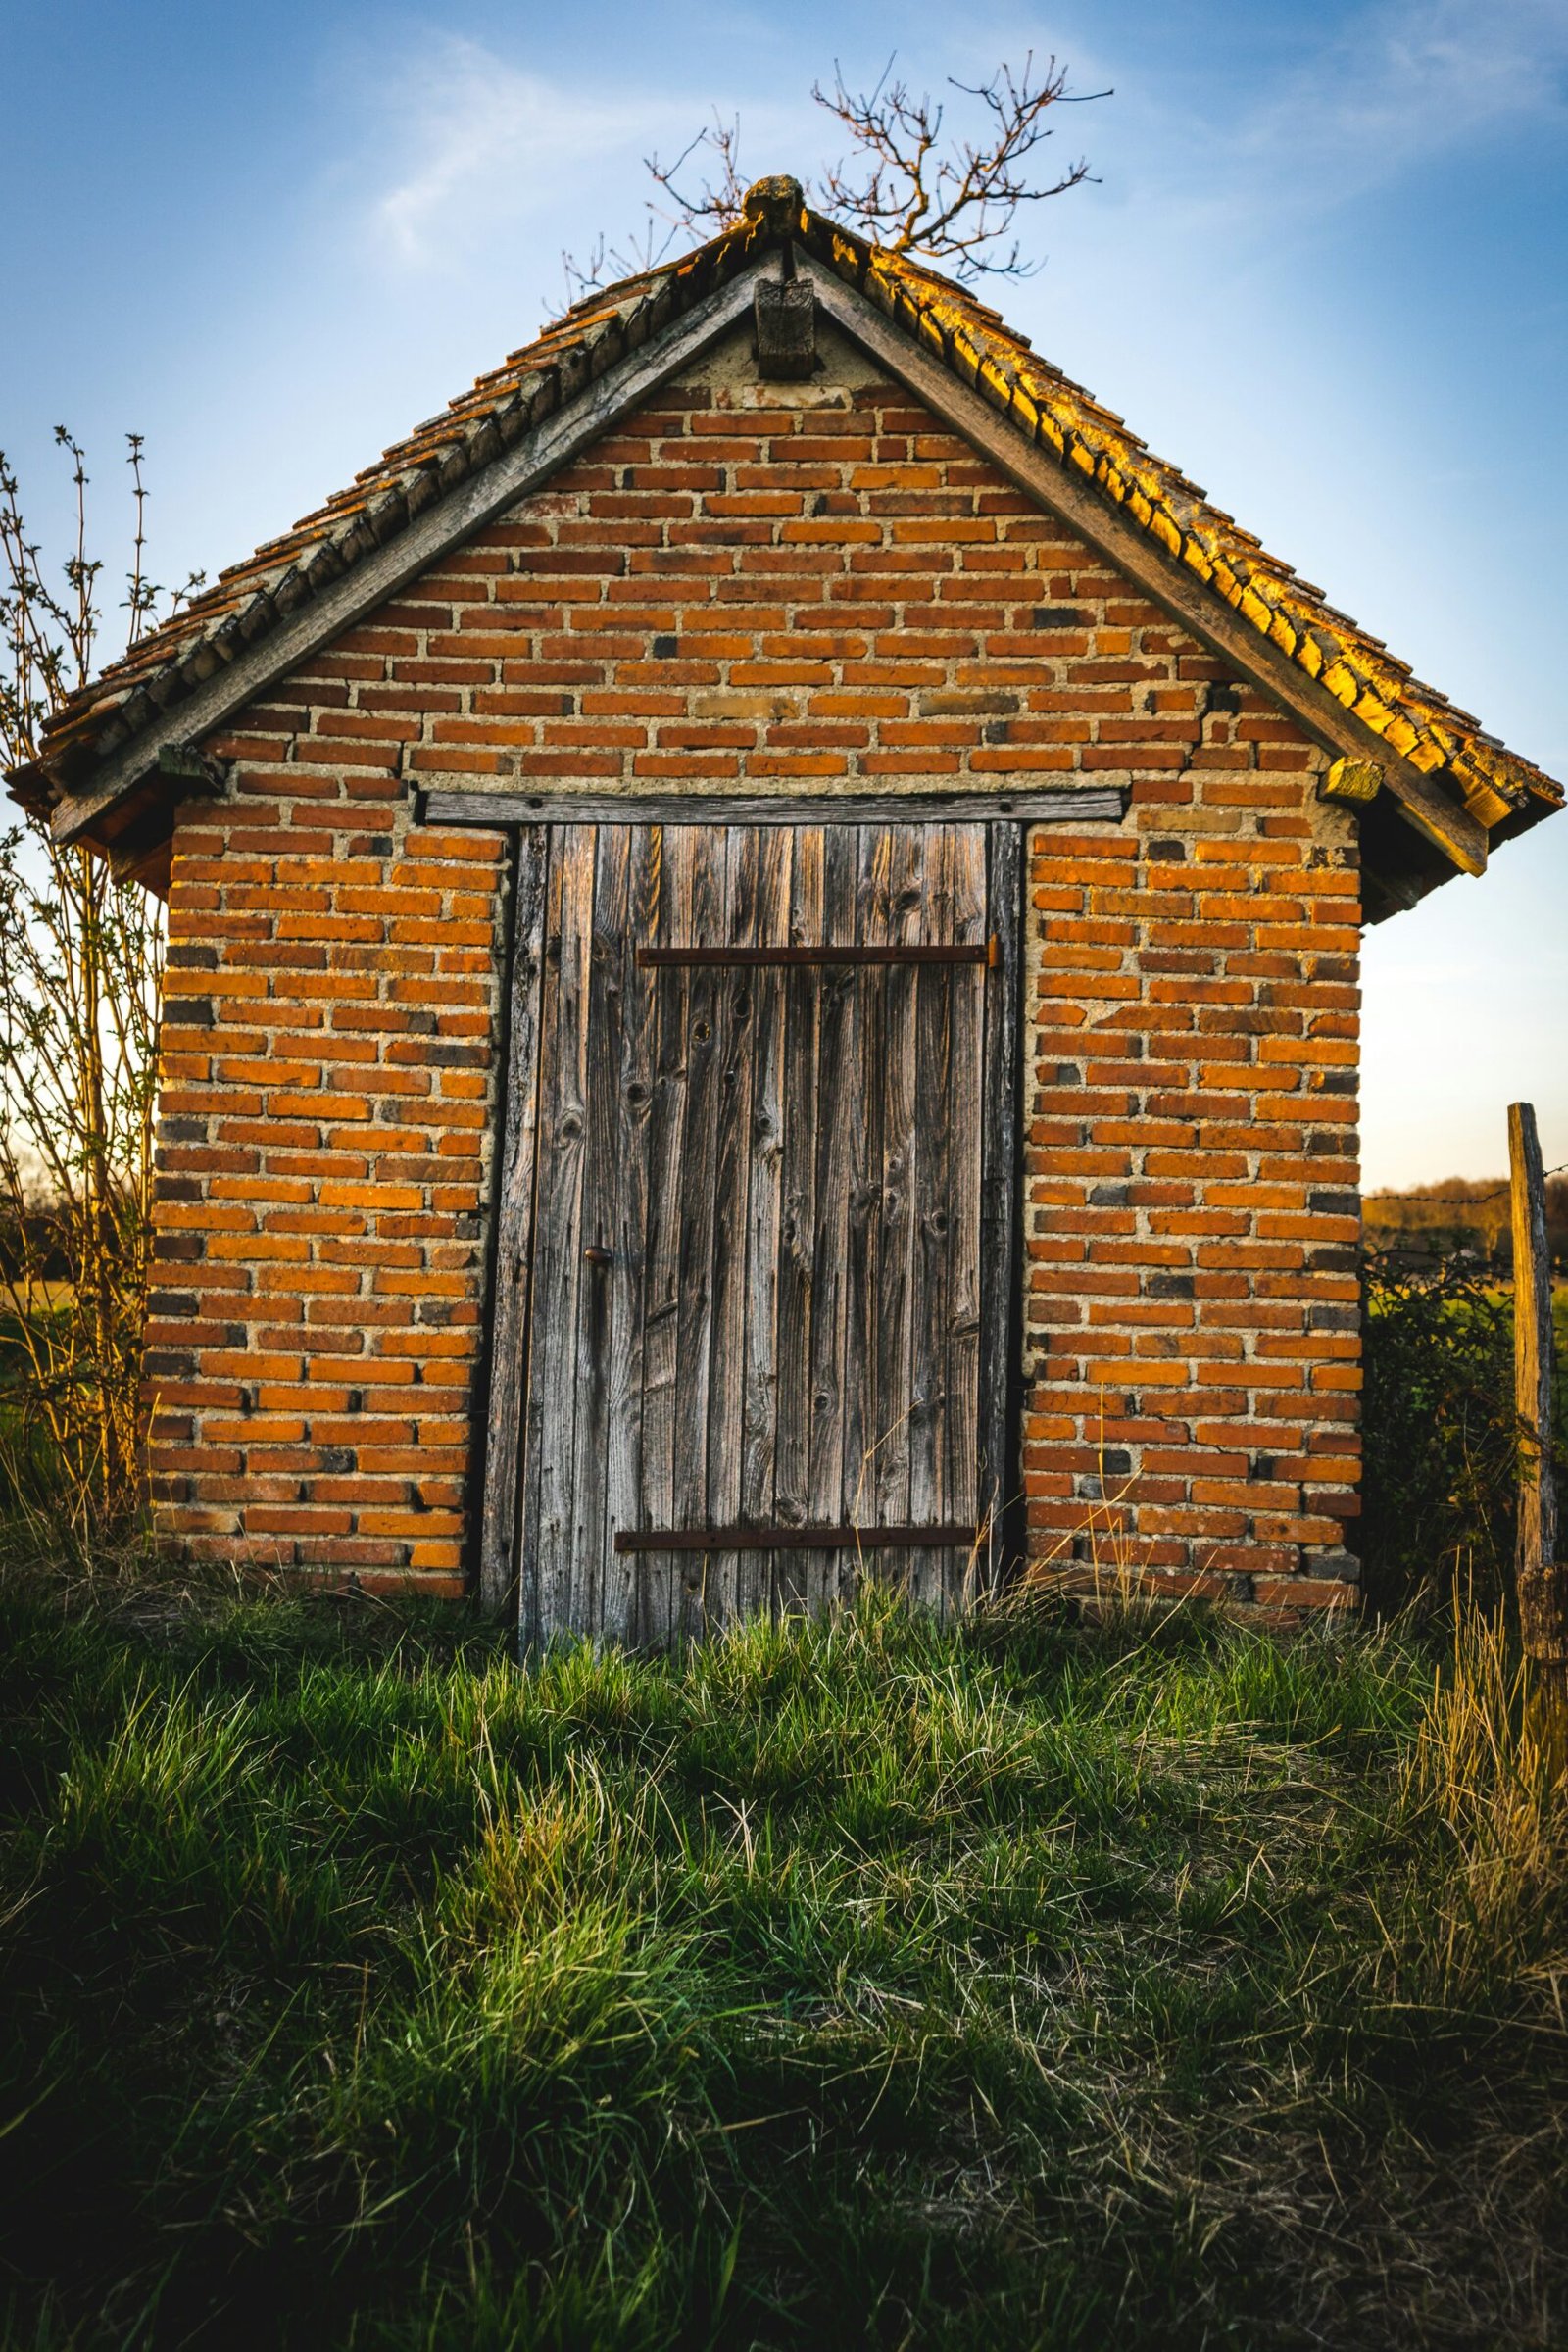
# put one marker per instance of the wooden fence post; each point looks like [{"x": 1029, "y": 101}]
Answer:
[{"x": 1542, "y": 1576}]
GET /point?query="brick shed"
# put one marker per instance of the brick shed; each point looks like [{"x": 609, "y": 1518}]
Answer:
[{"x": 762, "y": 980}]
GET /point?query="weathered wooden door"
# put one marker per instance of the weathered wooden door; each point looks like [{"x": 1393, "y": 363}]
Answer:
[{"x": 759, "y": 1193}]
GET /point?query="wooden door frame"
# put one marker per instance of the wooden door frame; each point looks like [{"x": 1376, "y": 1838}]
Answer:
[
  {"x": 501, "y": 1390},
  {"x": 1001, "y": 1370},
  {"x": 502, "y": 1394}
]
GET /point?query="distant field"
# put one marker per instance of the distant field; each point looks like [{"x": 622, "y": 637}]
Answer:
[
  {"x": 1458, "y": 1213},
  {"x": 48, "y": 1298},
  {"x": 874, "y": 1985}
]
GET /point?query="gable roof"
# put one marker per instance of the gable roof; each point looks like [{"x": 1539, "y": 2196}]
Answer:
[{"x": 115, "y": 757}]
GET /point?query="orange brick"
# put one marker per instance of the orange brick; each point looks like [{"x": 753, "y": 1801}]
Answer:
[{"x": 827, "y": 597}]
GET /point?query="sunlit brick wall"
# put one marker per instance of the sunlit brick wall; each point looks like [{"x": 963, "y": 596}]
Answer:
[
  {"x": 805, "y": 588},
  {"x": 1191, "y": 1327}
]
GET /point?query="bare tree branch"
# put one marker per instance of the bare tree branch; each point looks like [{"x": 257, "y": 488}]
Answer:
[
  {"x": 904, "y": 189},
  {"x": 80, "y": 992},
  {"x": 708, "y": 209},
  {"x": 607, "y": 264},
  {"x": 712, "y": 207},
  {"x": 911, "y": 196}
]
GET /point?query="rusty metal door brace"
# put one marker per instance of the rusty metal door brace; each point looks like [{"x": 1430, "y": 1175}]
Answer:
[
  {"x": 689, "y": 957},
  {"x": 792, "y": 1539}
]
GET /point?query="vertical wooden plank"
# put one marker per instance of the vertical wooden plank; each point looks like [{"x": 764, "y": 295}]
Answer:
[
  {"x": 549, "y": 1515},
  {"x": 628, "y": 1239},
  {"x": 1000, "y": 1318},
  {"x": 961, "y": 1434},
  {"x": 698, "y": 1181},
  {"x": 802, "y": 992},
  {"x": 734, "y": 1026},
  {"x": 838, "y": 1129},
  {"x": 894, "y": 1077},
  {"x": 657, "y": 1573},
  {"x": 514, "y": 1215},
  {"x": 858, "y": 1107},
  {"x": 530, "y": 1596},
  {"x": 1542, "y": 1579},
  {"x": 759, "y": 1402},
  {"x": 936, "y": 1211},
  {"x": 607, "y": 948}
]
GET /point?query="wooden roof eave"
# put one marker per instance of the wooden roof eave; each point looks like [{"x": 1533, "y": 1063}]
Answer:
[
  {"x": 949, "y": 360},
  {"x": 1227, "y": 632},
  {"x": 466, "y": 508}
]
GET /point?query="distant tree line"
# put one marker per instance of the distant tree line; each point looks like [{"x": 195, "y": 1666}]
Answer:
[{"x": 1460, "y": 1218}]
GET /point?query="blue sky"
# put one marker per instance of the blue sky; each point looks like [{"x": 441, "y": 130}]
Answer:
[{"x": 1323, "y": 271}]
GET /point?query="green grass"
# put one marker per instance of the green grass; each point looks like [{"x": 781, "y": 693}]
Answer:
[{"x": 874, "y": 1985}]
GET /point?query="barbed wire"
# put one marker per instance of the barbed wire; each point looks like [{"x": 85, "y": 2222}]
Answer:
[{"x": 1461, "y": 1199}]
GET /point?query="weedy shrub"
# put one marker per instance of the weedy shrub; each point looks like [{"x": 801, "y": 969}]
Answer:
[
  {"x": 863, "y": 1983},
  {"x": 81, "y": 961},
  {"x": 1440, "y": 1438}
]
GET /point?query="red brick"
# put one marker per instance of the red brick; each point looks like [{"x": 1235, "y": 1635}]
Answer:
[{"x": 851, "y": 596}]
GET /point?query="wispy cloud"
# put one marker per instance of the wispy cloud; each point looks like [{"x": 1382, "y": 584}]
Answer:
[
  {"x": 479, "y": 143},
  {"x": 1404, "y": 83},
  {"x": 484, "y": 146}
]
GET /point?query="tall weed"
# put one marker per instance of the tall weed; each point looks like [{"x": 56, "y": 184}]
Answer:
[{"x": 1485, "y": 1771}]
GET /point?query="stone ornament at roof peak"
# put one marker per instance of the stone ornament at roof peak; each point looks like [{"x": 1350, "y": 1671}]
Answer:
[{"x": 775, "y": 203}]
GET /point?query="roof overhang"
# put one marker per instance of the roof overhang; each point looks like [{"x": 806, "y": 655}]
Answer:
[
  {"x": 118, "y": 791},
  {"x": 165, "y": 746},
  {"x": 1112, "y": 533}
]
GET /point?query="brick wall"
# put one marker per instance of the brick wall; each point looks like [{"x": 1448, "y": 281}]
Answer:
[
  {"x": 779, "y": 588},
  {"x": 1191, "y": 1324}
]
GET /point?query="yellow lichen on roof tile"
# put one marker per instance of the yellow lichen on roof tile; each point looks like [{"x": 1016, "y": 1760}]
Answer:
[
  {"x": 1025, "y": 411},
  {"x": 1410, "y": 717},
  {"x": 1162, "y": 527}
]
